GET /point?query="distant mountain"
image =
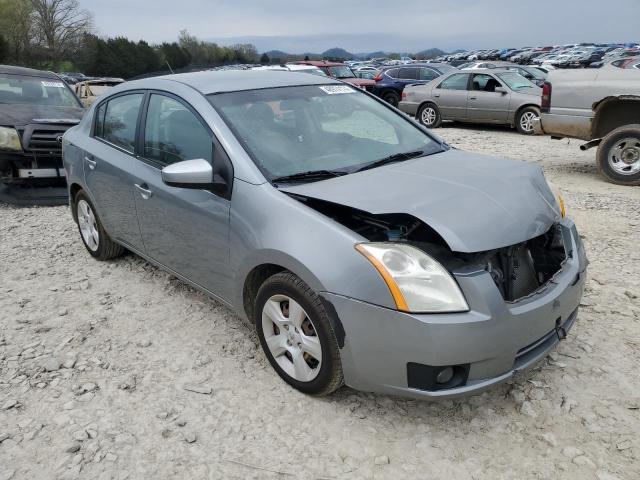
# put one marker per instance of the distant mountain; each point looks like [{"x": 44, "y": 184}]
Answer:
[
  {"x": 430, "y": 53},
  {"x": 338, "y": 54},
  {"x": 277, "y": 54}
]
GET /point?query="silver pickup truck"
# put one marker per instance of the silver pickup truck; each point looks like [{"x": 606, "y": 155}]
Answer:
[{"x": 602, "y": 107}]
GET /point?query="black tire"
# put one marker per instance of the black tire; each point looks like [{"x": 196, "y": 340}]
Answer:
[
  {"x": 106, "y": 248},
  {"x": 607, "y": 147},
  {"x": 423, "y": 117},
  {"x": 330, "y": 376},
  {"x": 391, "y": 97},
  {"x": 520, "y": 120}
]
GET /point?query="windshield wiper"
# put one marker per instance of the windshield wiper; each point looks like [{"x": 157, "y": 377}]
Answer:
[
  {"x": 396, "y": 157},
  {"x": 310, "y": 175}
]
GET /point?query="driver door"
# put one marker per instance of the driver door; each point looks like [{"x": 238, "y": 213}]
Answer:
[{"x": 485, "y": 104}]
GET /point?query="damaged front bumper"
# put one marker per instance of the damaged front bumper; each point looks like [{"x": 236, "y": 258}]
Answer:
[{"x": 398, "y": 353}]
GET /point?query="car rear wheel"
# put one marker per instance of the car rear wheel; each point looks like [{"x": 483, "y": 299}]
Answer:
[
  {"x": 93, "y": 235},
  {"x": 296, "y": 335},
  {"x": 429, "y": 115},
  {"x": 525, "y": 119},
  {"x": 391, "y": 97},
  {"x": 619, "y": 156}
]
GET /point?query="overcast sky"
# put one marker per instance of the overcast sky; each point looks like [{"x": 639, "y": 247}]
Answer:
[{"x": 368, "y": 25}]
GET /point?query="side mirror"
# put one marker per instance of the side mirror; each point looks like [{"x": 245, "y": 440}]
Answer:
[
  {"x": 501, "y": 90},
  {"x": 196, "y": 174}
]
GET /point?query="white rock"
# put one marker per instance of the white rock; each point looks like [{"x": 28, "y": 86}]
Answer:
[
  {"x": 11, "y": 403},
  {"x": 528, "y": 410},
  {"x": 548, "y": 438},
  {"x": 381, "y": 460},
  {"x": 584, "y": 461},
  {"x": 80, "y": 435},
  {"x": 572, "y": 452},
  {"x": 190, "y": 437},
  {"x": 602, "y": 475},
  {"x": 52, "y": 364}
]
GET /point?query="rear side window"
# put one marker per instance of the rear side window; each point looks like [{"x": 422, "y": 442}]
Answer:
[
  {"x": 427, "y": 74},
  {"x": 120, "y": 121},
  {"x": 457, "y": 81},
  {"x": 393, "y": 73},
  {"x": 408, "y": 74},
  {"x": 173, "y": 133}
]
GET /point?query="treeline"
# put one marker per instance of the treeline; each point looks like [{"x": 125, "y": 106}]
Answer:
[{"x": 58, "y": 35}]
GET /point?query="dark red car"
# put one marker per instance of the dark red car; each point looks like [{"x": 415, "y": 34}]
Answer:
[{"x": 341, "y": 72}]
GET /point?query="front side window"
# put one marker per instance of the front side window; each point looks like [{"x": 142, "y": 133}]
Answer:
[
  {"x": 173, "y": 133},
  {"x": 120, "y": 121},
  {"x": 318, "y": 127},
  {"x": 456, "y": 81},
  {"x": 484, "y": 83},
  {"x": 515, "y": 81},
  {"x": 24, "y": 89}
]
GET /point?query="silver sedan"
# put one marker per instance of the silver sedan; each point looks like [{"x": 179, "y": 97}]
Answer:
[{"x": 496, "y": 96}]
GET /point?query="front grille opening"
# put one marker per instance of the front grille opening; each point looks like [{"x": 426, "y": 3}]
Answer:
[{"x": 520, "y": 270}]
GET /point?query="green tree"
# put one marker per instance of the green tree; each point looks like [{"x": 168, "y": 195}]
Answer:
[
  {"x": 264, "y": 59},
  {"x": 4, "y": 49}
]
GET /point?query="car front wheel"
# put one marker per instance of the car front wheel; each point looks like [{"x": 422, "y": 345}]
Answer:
[
  {"x": 93, "y": 235},
  {"x": 392, "y": 98},
  {"x": 296, "y": 335}
]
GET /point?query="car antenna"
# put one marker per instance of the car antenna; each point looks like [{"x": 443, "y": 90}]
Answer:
[{"x": 170, "y": 69}]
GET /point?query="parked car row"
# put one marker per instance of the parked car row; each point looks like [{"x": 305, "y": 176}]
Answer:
[{"x": 559, "y": 56}]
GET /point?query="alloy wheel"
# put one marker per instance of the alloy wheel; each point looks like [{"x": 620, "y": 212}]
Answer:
[
  {"x": 88, "y": 226},
  {"x": 526, "y": 121},
  {"x": 428, "y": 116},
  {"x": 292, "y": 338}
]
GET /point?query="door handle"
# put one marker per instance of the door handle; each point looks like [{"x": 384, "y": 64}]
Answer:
[
  {"x": 92, "y": 163},
  {"x": 436, "y": 96},
  {"x": 473, "y": 98},
  {"x": 144, "y": 190}
]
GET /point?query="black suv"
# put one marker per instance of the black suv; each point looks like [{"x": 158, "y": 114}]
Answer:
[
  {"x": 36, "y": 108},
  {"x": 390, "y": 81}
]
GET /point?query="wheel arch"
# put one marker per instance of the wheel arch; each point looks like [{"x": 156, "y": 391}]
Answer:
[
  {"x": 74, "y": 188},
  {"x": 614, "y": 112},
  {"x": 516, "y": 114}
]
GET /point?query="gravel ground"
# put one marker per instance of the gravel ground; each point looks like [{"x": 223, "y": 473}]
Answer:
[{"x": 117, "y": 370}]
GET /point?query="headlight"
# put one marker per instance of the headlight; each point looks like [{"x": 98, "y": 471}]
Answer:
[
  {"x": 417, "y": 282},
  {"x": 563, "y": 210},
  {"x": 9, "y": 139}
]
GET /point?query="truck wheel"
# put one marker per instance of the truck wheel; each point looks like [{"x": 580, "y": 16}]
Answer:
[
  {"x": 429, "y": 115},
  {"x": 619, "y": 155},
  {"x": 296, "y": 335},
  {"x": 391, "y": 97},
  {"x": 93, "y": 235},
  {"x": 525, "y": 118}
]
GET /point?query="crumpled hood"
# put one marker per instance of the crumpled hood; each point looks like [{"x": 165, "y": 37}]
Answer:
[
  {"x": 18, "y": 115},
  {"x": 475, "y": 202}
]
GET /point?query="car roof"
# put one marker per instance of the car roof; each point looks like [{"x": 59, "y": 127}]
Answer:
[
  {"x": 209, "y": 82},
  {"x": 11, "y": 70}
]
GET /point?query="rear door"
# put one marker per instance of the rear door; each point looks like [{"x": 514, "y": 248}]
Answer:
[
  {"x": 451, "y": 96},
  {"x": 485, "y": 104},
  {"x": 108, "y": 161},
  {"x": 183, "y": 229}
]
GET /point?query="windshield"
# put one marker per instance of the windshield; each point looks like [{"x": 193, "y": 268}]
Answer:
[
  {"x": 341, "y": 72},
  {"x": 332, "y": 127},
  {"x": 22, "y": 89},
  {"x": 515, "y": 81}
]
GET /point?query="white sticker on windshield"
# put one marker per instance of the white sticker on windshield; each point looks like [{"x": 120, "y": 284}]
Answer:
[
  {"x": 52, "y": 84},
  {"x": 333, "y": 89}
]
